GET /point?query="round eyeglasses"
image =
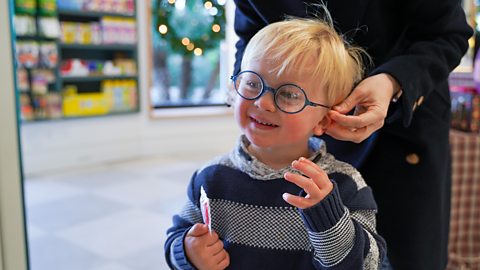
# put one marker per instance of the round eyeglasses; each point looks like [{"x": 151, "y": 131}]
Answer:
[{"x": 289, "y": 98}]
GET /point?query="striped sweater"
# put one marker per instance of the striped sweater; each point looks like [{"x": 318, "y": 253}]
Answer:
[{"x": 261, "y": 231}]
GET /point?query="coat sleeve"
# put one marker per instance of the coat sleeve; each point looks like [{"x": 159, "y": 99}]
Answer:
[
  {"x": 174, "y": 249},
  {"x": 345, "y": 237},
  {"x": 434, "y": 43}
]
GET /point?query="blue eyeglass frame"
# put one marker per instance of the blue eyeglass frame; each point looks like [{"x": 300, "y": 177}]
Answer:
[{"x": 266, "y": 88}]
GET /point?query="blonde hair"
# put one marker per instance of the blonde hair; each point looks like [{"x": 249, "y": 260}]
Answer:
[{"x": 309, "y": 47}]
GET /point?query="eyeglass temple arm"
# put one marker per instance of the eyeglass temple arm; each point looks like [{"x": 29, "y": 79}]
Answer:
[{"x": 319, "y": 105}]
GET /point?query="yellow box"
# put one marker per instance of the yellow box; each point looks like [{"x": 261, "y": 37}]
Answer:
[
  {"x": 69, "y": 32},
  {"x": 85, "y": 104}
]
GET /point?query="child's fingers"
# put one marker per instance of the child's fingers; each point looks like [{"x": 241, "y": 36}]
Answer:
[
  {"x": 212, "y": 238},
  {"x": 312, "y": 170},
  {"x": 314, "y": 182},
  {"x": 217, "y": 247},
  {"x": 308, "y": 167},
  {"x": 309, "y": 186},
  {"x": 297, "y": 201},
  {"x": 198, "y": 230},
  {"x": 224, "y": 260}
]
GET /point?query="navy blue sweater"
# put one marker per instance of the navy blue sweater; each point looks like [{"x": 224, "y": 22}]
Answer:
[{"x": 261, "y": 231}]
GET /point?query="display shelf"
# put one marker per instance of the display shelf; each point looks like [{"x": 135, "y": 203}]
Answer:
[
  {"x": 70, "y": 79},
  {"x": 91, "y": 14},
  {"x": 96, "y": 47},
  {"x": 73, "y": 118},
  {"x": 98, "y": 41},
  {"x": 37, "y": 38}
]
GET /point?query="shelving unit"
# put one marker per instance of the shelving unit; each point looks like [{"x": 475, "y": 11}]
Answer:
[
  {"x": 96, "y": 62},
  {"x": 92, "y": 14},
  {"x": 98, "y": 47},
  {"x": 66, "y": 79}
]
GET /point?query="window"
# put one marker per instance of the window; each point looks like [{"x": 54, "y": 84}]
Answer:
[{"x": 187, "y": 58}]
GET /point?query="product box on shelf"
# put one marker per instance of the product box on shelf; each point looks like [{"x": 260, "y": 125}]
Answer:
[
  {"x": 48, "y": 27},
  {"x": 112, "y": 6},
  {"x": 25, "y": 25},
  {"x": 83, "y": 104},
  {"x": 26, "y": 109},
  {"x": 121, "y": 94},
  {"x": 25, "y": 6},
  {"x": 48, "y": 7},
  {"x": 27, "y": 53}
]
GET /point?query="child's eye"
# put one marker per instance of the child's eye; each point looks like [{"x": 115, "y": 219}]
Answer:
[
  {"x": 253, "y": 84},
  {"x": 289, "y": 95}
]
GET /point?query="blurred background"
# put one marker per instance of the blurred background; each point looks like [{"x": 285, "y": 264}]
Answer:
[{"x": 120, "y": 101}]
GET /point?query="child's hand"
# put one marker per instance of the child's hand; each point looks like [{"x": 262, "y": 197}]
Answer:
[
  {"x": 205, "y": 250},
  {"x": 315, "y": 183}
]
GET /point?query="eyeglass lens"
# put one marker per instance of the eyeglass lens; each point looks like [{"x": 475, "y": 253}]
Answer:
[{"x": 288, "y": 98}]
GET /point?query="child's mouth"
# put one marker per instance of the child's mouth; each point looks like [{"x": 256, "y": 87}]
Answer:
[{"x": 263, "y": 123}]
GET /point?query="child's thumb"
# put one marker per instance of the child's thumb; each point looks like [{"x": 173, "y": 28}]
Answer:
[{"x": 197, "y": 230}]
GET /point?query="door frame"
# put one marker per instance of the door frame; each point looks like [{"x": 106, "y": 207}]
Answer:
[{"x": 13, "y": 246}]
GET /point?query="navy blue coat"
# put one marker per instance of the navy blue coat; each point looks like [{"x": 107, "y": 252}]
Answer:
[{"x": 407, "y": 162}]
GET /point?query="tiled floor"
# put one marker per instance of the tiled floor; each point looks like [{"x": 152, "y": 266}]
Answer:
[{"x": 111, "y": 217}]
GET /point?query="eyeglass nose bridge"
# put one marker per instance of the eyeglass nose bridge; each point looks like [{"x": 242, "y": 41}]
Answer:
[{"x": 266, "y": 89}]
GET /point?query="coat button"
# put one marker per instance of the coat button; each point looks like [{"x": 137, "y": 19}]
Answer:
[
  {"x": 412, "y": 159},
  {"x": 420, "y": 100}
]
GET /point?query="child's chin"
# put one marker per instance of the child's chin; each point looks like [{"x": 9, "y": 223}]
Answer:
[{"x": 259, "y": 142}]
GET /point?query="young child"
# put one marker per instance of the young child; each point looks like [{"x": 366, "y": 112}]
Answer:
[{"x": 279, "y": 200}]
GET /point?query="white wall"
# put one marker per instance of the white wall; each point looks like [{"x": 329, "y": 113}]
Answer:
[{"x": 59, "y": 145}]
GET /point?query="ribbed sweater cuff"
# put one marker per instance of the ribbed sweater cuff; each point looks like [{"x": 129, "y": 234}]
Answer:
[
  {"x": 178, "y": 256},
  {"x": 326, "y": 213}
]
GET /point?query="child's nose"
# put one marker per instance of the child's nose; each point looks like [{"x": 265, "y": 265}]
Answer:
[{"x": 266, "y": 102}]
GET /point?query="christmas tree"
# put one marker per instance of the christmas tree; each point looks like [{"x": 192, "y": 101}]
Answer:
[{"x": 191, "y": 28}]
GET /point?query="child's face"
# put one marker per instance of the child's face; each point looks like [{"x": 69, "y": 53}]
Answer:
[{"x": 266, "y": 126}]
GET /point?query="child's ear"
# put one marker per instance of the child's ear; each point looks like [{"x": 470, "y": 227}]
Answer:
[{"x": 322, "y": 125}]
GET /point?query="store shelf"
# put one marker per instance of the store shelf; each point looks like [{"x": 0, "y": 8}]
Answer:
[
  {"x": 31, "y": 37},
  {"x": 101, "y": 115},
  {"x": 96, "y": 78},
  {"x": 92, "y": 14},
  {"x": 68, "y": 97},
  {"x": 118, "y": 47}
]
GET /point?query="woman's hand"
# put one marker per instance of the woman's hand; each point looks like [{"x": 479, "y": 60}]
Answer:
[
  {"x": 204, "y": 249},
  {"x": 371, "y": 99},
  {"x": 314, "y": 182}
]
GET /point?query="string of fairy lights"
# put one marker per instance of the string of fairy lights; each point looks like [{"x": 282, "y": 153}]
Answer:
[{"x": 195, "y": 43}]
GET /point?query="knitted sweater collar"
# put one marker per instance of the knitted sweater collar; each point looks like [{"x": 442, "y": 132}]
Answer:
[{"x": 249, "y": 164}]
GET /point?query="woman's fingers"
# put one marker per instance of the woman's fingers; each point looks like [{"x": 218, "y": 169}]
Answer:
[
  {"x": 371, "y": 99},
  {"x": 363, "y": 119},
  {"x": 346, "y": 133}
]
